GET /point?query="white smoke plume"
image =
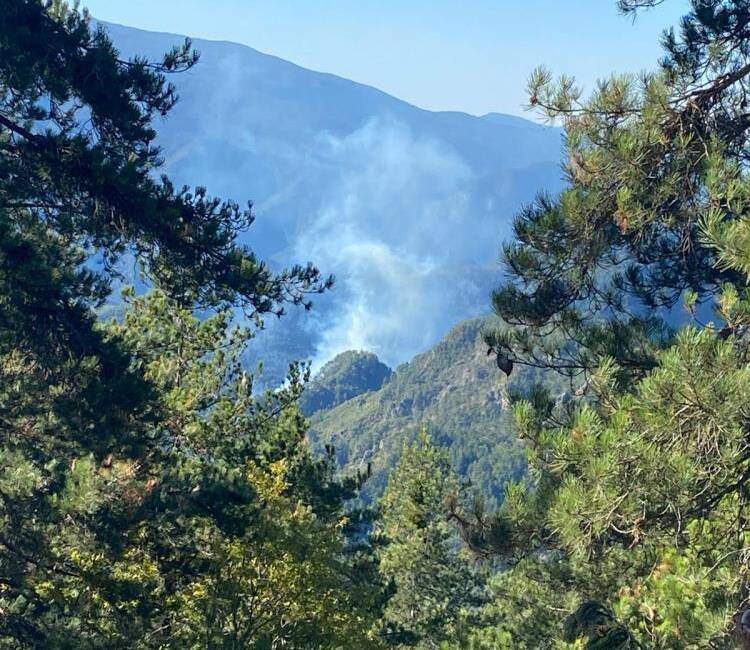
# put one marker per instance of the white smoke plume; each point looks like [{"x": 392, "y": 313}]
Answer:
[{"x": 394, "y": 221}]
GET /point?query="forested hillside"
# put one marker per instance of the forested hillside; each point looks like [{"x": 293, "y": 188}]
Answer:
[
  {"x": 347, "y": 375},
  {"x": 456, "y": 393}
]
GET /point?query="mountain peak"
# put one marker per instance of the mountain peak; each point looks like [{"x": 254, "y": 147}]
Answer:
[
  {"x": 347, "y": 375},
  {"x": 455, "y": 391}
]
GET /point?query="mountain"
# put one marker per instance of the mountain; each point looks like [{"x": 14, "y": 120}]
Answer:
[
  {"x": 456, "y": 392},
  {"x": 347, "y": 375},
  {"x": 406, "y": 207}
]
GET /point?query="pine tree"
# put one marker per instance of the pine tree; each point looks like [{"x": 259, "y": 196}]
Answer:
[
  {"x": 147, "y": 498},
  {"x": 241, "y": 532},
  {"x": 636, "y": 512},
  {"x": 78, "y": 156},
  {"x": 595, "y": 272},
  {"x": 432, "y": 583}
]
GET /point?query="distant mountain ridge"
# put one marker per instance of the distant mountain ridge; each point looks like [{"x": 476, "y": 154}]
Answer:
[{"x": 406, "y": 207}]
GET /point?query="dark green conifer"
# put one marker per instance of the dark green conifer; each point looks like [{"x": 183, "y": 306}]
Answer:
[{"x": 635, "y": 517}]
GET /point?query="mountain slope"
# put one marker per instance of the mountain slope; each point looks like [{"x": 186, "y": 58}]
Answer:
[
  {"x": 347, "y": 375},
  {"x": 407, "y": 207},
  {"x": 456, "y": 392}
]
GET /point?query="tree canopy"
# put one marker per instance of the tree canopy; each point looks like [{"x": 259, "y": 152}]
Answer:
[
  {"x": 148, "y": 498},
  {"x": 151, "y": 498},
  {"x": 79, "y": 155},
  {"x": 634, "y": 283}
]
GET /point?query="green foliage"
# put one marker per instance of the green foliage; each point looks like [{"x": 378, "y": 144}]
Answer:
[
  {"x": 636, "y": 511},
  {"x": 523, "y": 610},
  {"x": 147, "y": 498},
  {"x": 653, "y": 162},
  {"x": 347, "y": 375},
  {"x": 78, "y": 155},
  {"x": 225, "y": 533},
  {"x": 457, "y": 393},
  {"x": 432, "y": 583}
]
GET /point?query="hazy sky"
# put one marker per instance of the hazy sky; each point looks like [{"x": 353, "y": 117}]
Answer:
[{"x": 469, "y": 55}]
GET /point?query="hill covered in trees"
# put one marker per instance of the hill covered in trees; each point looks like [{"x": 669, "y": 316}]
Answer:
[
  {"x": 345, "y": 376},
  {"x": 455, "y": 392}
]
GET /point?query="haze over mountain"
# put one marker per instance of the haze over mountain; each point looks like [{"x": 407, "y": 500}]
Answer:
[{"x": 406, "y": 207}]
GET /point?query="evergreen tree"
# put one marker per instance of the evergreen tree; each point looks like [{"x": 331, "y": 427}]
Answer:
[
  {"x": 594, "y": 273},
  {"x": 432, "y": 583},
  {"x": 635, "y": 519},
  {"x": 147, "y": 498},
  {"x": 242, "y": 533},
  {"x": 78, "y": 156}
]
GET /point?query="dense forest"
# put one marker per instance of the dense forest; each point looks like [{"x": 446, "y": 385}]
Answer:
[{"x": 573, "y": 472}]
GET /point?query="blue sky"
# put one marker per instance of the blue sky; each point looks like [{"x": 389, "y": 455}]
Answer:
[{"x": 473, "y": 55}]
